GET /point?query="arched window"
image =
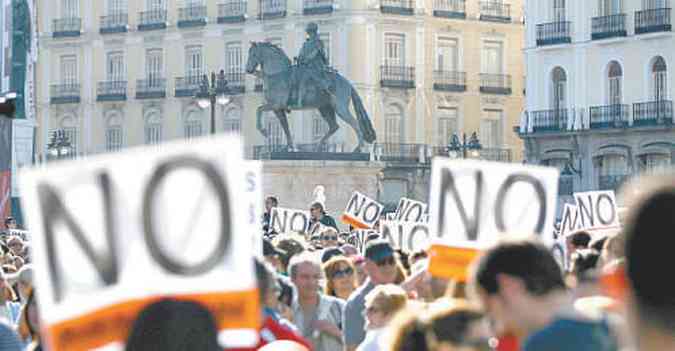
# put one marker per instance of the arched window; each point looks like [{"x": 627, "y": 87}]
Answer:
[
  {"x": 114, "y": 138},
  {"x": 609, "y": 7},
  {"x": 659, "y": 79},
  {"x": 193, "y": 125},
  {"x": 232, "y": 121},
  {"x": 559, "y": 89},
  {"x": 393, "y": 120},
  {"x": 614, "y": 84},
  {"x": 613, "y": 171},
  {"x": 153, "y": 128},
  {"x": 69, "y": 127}
]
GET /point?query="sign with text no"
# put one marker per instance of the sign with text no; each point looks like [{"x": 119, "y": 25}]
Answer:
[
  {"x": 117, "y": 232},
  {"x": 362, "y": 212},
  {"x": 597, "y": 210},
  {"x": 409, "y": 236},
  {"x": 409, "y": 210},
  {"x": 286, "y": 220}
]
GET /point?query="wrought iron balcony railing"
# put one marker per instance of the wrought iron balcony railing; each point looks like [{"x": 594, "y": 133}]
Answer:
[
  {"x": 450, "y": 8},
  {"x": 236, "y": 82},
  {"x": 495, "y": 11},
  {"x": 611, "y": 26},
  {"x": 65, "y": 93},
  {"x": 449, "y": 81},
  {"x": 188, "y": 86},
  {"x": 554, "y": 33},
  {"x": 549, "y": 120},
  {"x": 609, "y": 116},
  {"x": 653, "y": 113},
  {"x": 612, "y": 182},
  {"x": 151, "y": 88},
  {"x": 67, "y": 27},
  {"x": 495, "y": 83},
  {"x": 232, "y": 11},
  {"x": 192, "y": 16},
  {"x": 398, "y": 7},
  {"x": 318, "y": 7},
  {"x": 273, "y": 9},
  {"x": 397, "y": 77},
  {"x": 114, "y": 23},
  {"x": 274, "y": 151},
  {"x": 115, "y": 90},
  {"x": 152, "y": 20},
  {"x": 653, "y": 20}
]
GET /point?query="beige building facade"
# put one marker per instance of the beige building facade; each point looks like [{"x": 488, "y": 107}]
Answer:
[{"x": 120, "y": 73}]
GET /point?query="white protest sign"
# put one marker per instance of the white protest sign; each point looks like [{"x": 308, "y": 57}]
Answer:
[
  {"x": 570, "y": 220},
  {"x": 409, "y": 236},
  {"x": 473, "y": 203},
  {"x": 390, "y": 216},
  {"x": 254, "y": 199},
  {"x": 286, "y": 220},
  {"x": 359, "y": 237},
  {"x": 23, "y": 234},
  {"x": 362, "y": 212},
  {"x": 116, "y": 232},
  {"x": 410, "y": 210},
  {"x": 597, "y": 210}
]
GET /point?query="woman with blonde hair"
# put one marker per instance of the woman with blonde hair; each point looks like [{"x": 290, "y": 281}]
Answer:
[
  {"x": 382, "y": 304},
  {"x": 340, "y": 277}
]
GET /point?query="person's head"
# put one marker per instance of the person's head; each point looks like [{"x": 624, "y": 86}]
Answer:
[
  {"x": 649, "y": 251},
  {"x": 15, "y": 245},
  {"x": 340, "y": 276},
  {"x": 330, "y": 253},
  {"x": 580, "y": 240},
  {"x": 290, "y": 246},
  {"x": 305, "y": 273},
  {"x": 272, "y": 254},
  {"x": 382, "y": 303},
  {"x": 316, "y": 211},
  {"x": 380, "y": 265},
  {"x": 584, "y": 264},
  {"x": 267, "y": 287},
  {"x": 613, "y": 250},
  {"x": 270, "y": 203},
  {"x": 10, "y": 223},
  {"x": 329, "y": 237},
  {"x": 349, "y": 250},
  {"x": 173, "y": 325},
  {"x": 312, "y": 29},
  {"x": 510, "y": 277}
]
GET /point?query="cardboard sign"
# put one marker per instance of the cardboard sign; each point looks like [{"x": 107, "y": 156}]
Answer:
[
  {"x": 362, "y": 212},
  {"x": 285, "y": 220},
  {"x": 570, "y": 220},
  {"x": 409, "y": 236},
  {"x": 410, "y": 210},
  {"x": 254, "y": 199},
  {"x": 359, "y": 237},
  {"x": 116, "y": 232},
  {"x": 597, "y": 210},
  {"x": 474, "y": 203},
  {"x": 23, "y": 234}
]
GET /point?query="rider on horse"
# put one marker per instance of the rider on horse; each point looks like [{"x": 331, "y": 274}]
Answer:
[{"x": 312, "y": 65}]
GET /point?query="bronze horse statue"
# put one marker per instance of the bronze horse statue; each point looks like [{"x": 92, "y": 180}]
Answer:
[{"x": 278, "y": 77}]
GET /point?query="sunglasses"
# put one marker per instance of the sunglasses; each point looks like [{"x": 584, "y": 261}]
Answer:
[
  {"x": 389, "y": 261},
  {"x": 332, "y": 238},
  {"x": 343, "y": 273}
]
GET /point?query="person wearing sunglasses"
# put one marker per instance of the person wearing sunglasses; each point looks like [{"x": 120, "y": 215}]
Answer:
[
  {"x": 381, "y": 267},
  {"x": 329, "y": 238},
  {"x": 340, "y": 277}
]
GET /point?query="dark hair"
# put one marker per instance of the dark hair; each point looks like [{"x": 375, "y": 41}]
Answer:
[
  {"x": 581, "y": 239},
  {"x": 9, "y": 219},
  {"x": 286, "y": 294},
  {"x": 649, "y": 249},
  {"x": 403, "y": 258},
  {"x": 319, "y": 206},
  {"x": 526, "y": 260},
  {"x": 417, "y": 255},
  {"x": 274, "y": 200},
  {"x": 599, "y": 244},
  {"x": 264, "y": 275},
  {"x": 173, "y": 325},
  {"x": 584, "y": 262}
]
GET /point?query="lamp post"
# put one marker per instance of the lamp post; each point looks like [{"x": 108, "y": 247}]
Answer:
[
  {"x": 59, "y": 146},
  {"x": 472, "y": 145},
  {"x": 212, "y": 93}
]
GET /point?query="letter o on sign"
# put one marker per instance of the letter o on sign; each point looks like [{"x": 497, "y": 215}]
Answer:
[
  {"x": 215, "y": 179},
  {"x": 501, "y": 197}
]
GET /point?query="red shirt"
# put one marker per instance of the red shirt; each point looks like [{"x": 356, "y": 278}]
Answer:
[{"x": 273, "y": 331}]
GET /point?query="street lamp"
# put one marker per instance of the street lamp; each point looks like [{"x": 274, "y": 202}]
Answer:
[
  {"x": 472, "y": 147},
  {"x": 210, "y": 94},
  {"x": 59, "y": 146}
]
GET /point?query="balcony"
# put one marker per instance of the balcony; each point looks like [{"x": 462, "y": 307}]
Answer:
[
  {"x": 67, "y": 27},
  {"x": 280, "y": 152},
  {"x": 232, "y": 12},
  {"x": 493, "y": 11},
  {"x": 611, "y": 182},
  {"x": 67, "y": 93},
  {"x": 488, "y": 154},
  {"x": 652, "y": 21},
  {"x": 449, "y": 81},
  {"x": 187, "y": 86},
  {"x": 273, "y": 9},
  {"x": 554, "y": 33},
  {"x": 611, "y": 26},
  {"x": 193, "y": 16},
  {"x": 609, "y": 116},
  {"x": 111, "y": 91},
  {"x": 153, "y": 88},
  {"x": 318, "y": 7},
  {"x": 450, "y": 9},
  {"x": 236, "y": 82},
  {"x": 115, "y": 23},
  {"x": 549, "y": 120},
  {"x": 495, "y": 84},
  {"x": 406, "y": 153},
  {"x": 398, "y": 7},
  {"x": 400, "y": 77},
  {"x": 565, "y": 185},
  {"x": 152, "y": 20},
  {"x": 653, "y": 113}
]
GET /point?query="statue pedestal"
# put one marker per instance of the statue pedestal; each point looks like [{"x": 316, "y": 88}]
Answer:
[{"x": 319, "y": 156}]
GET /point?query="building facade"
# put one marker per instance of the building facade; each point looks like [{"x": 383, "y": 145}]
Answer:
[
  {"x": 599, "y": 90},
  {"x": 119, "y": 73}
]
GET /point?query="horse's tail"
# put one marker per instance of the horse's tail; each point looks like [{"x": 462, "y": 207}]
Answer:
[{"x": 362, "y": 117}]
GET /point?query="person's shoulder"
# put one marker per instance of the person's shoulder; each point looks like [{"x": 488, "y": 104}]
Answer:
[
  {"x": 333, "y": 300},
  {"x": 568, "y": 334}
]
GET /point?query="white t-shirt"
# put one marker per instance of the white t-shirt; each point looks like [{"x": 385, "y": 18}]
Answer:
[{"x": 372, "y": 341}]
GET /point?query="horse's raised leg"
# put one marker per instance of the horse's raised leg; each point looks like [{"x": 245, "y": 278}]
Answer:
[
  {"x": 342, "y": 109},
  {"x": 259, "y": 116},
  {"x": 328, "y": 114},
  {"x": 281, "y": 114}
]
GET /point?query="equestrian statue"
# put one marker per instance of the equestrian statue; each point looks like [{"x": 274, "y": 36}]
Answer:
[{"x": 308, "y": 84}]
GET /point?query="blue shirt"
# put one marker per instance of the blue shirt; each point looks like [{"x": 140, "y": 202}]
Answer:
[{"x": 572, "y": 334}]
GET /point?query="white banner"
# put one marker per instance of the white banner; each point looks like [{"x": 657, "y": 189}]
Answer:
[
  {"x": 410, "y": 210},
  {"x": 361, "y": 211},
  {"x": 597, "y": 210},
  {"x": 254, "y": 200},
  {"x": 409, "y": 236},
  {"x": 570, "y": 220},
  {"x": 286, "y": 220}
]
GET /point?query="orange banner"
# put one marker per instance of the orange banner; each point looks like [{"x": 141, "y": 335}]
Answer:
[
  {"x": 451, "y": 262},
  {"x": 231, "y": 310},
  {"x": 353, "y": 222}
]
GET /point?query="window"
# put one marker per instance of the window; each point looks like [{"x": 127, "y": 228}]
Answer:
[
  {"x": 232, "y": 121},
  {"x": 193, "y": 61},
  {"x": 69, "y": 69},
  {"x": 319, "y": 127},
  {"x": 490, "y": 128},
  {"x": 613, "y": 165},
  {"x": 393, "y": 120},
  {"x": 233, "y": 58},
  {"x": 492, "y": 57},
  {"x": 325, "y": 39},
  {"x": 558, "y": 89},
  {"x": 447, "y": 124},
  {"x": 615, "y": 77},
  {"x": 659, "y": 79},
  {"x": 657, "y": 163},
  {"x": 153, "y": 65},
  {"x": 655, "y": 4},
  {"x": 559, "y": 10},
  {"x": 193, "y": 125},
  {"x": 156, "y": 5},
  {"x": 448, "y": 55},
  {"x": 275, "y": 133},
  {"x": 113, "y": 135},
  {"x": 115, "y": 66},
  {"x": 394, "y": 49},
  {"x": 610, "y": 7},
  {"x": 69, "y": 127},
  {"x": 70, "y": 8},
  {"x": 117, "y": 6},
  {"x": 153, "y": 129}
]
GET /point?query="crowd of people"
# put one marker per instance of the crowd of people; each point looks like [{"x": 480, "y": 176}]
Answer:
[{"x": 319, "y": 292}]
